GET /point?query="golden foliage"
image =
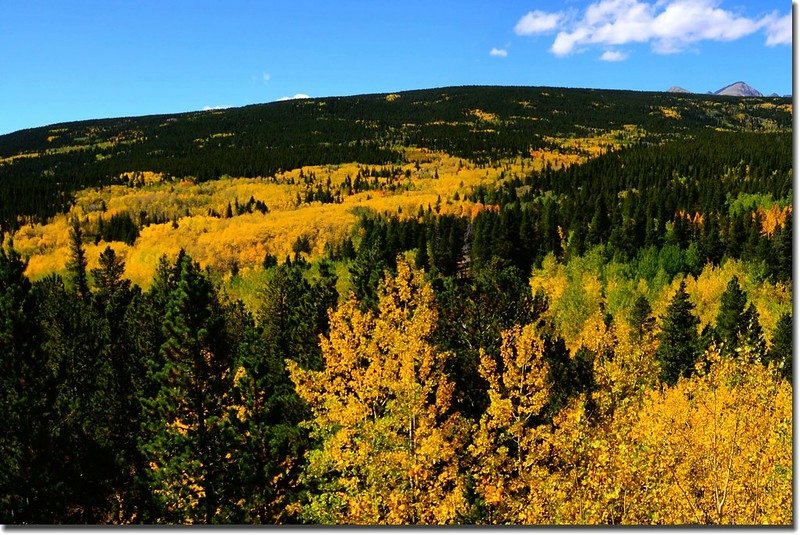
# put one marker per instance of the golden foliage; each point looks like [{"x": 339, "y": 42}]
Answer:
[
  {"x": 670, "y": 113},
  {"x": 510, "y": 447},
  {"x": 389, "y": 442},
  {"x": 141, "y": 178},
  {"x": 705, "y": 292},
  {"x": 773, "y": 218},
  {"x": 716, "y": 448},
  {"x": 216, "y": 242},
  {"x": 574, "y": 295},
  {"x": 483, "y": 115},
  {"x": 713, "y": 449}
]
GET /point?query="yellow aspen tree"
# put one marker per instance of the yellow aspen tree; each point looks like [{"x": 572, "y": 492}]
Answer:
[
  {"x": 596, "y": 461},
  {"x": 718, "y": 447},
  {"x": 510, "y": 447},
  {"x": 390, "y": 446},
  {"x": 624, "y": 368}
]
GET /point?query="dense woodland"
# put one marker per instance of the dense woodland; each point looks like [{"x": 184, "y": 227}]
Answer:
[{"x": 602, "y": 343}]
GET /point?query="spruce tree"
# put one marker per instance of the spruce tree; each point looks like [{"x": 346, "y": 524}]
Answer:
[
  {"x": 113, "y": 296},
  {"x": 731, "y": 319},
  {"x": 751, "y": 339},
  {"x": 600, "y": 224},
  {"x": 679, "y": 347},
  {"x": 641, "y": 317},
  {"x": 289, "y": 316},
  {"x": 782, "y": 250},
  {"x": 736, "y": 235},
  {"x": 270, "y": 261},
  {"x": 366, "y": 272},
  {"x": 189, "y": 436},
  {"x": 781, "y": 351},
  {"x": 77, "y": 262},
  {"x": 269, "y": 457},
  {"x": 108, "y": 278},
  {"x": 324, "y": 296},
  {"x": 77, "y": 458}
]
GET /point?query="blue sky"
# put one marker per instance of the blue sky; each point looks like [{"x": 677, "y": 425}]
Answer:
[{"x": 62, "y": 61}]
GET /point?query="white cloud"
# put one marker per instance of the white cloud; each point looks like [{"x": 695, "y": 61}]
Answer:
[
  {"x": 779, "y": 29},
  {"x": 209, "y": 108},
  {"x": 498, "y": 52},
  {"x": 266, "y": 76},
  {"x": 565, "y": 42},
  {"x": 613, "y": 55},
  {"x": 669, "y": 26},
  {"x": 535, "y": 22},
  {"x": 297, "y": 96}
]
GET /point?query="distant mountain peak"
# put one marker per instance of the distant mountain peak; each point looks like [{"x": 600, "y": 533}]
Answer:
[
  {"x": 736, "y": 89},
  {"x": 739, "y": 89}
]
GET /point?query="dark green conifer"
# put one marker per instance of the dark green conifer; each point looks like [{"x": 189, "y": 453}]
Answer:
[
  {"x": 731, "y": 320},
  {"x": 189, "y": 436},
  {"x": 781, "y": 351},
  {"x": 641, "y": 317},
  {"x": 679, "y": 347},
  {"x": 77, "y": 262},
  {"x": 752, "y": 338},
  {"x": 289, "y": 316},
  {"x": 268, "y": 458}
]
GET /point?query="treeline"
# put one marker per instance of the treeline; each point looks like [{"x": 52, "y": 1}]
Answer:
[{"x": 265, "y": 139}]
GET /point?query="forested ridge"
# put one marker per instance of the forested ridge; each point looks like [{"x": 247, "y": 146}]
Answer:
[
  {"x": 473, "y": 305},
  {"x": 42, "y": 167}
]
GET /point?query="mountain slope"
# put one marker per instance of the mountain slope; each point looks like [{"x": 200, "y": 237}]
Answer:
[
  {"x": 41, "y": 168},
  {"x": 739, "y": 89}
]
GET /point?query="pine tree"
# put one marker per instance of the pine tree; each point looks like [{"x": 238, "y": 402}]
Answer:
[
  {"x": 751, "y": 340},
  {"x": 113, "y": 296},
  {"x": 600, "y": 224},
  {"x": 710, "y": 242},
  {"x": 77, "y": 457},
  {"x": 641, "y": 318},
  {"x": 270, "y": 261},
  {"x": 781, "y": 351},
  {"x": 679, "y": 347},
  {"x": 731, "y": 320},
  {"x": 324, "y": 295},
  {"x": 366, "y": 272},
  {"x": 19, "y": 395},
  {"x": 77, "y": 262},
  {"x": 141, "y": 338},
  {"x": 736, "y": 235},
  {"x": 268, "y": 461},
  {"x": 108, "y": 277},
  {"x": 189, "y": 433},
  {"x": 782, "y": 249},
  {"x": 289, "y": 316},
  {"x": 421, "y": 258}
]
